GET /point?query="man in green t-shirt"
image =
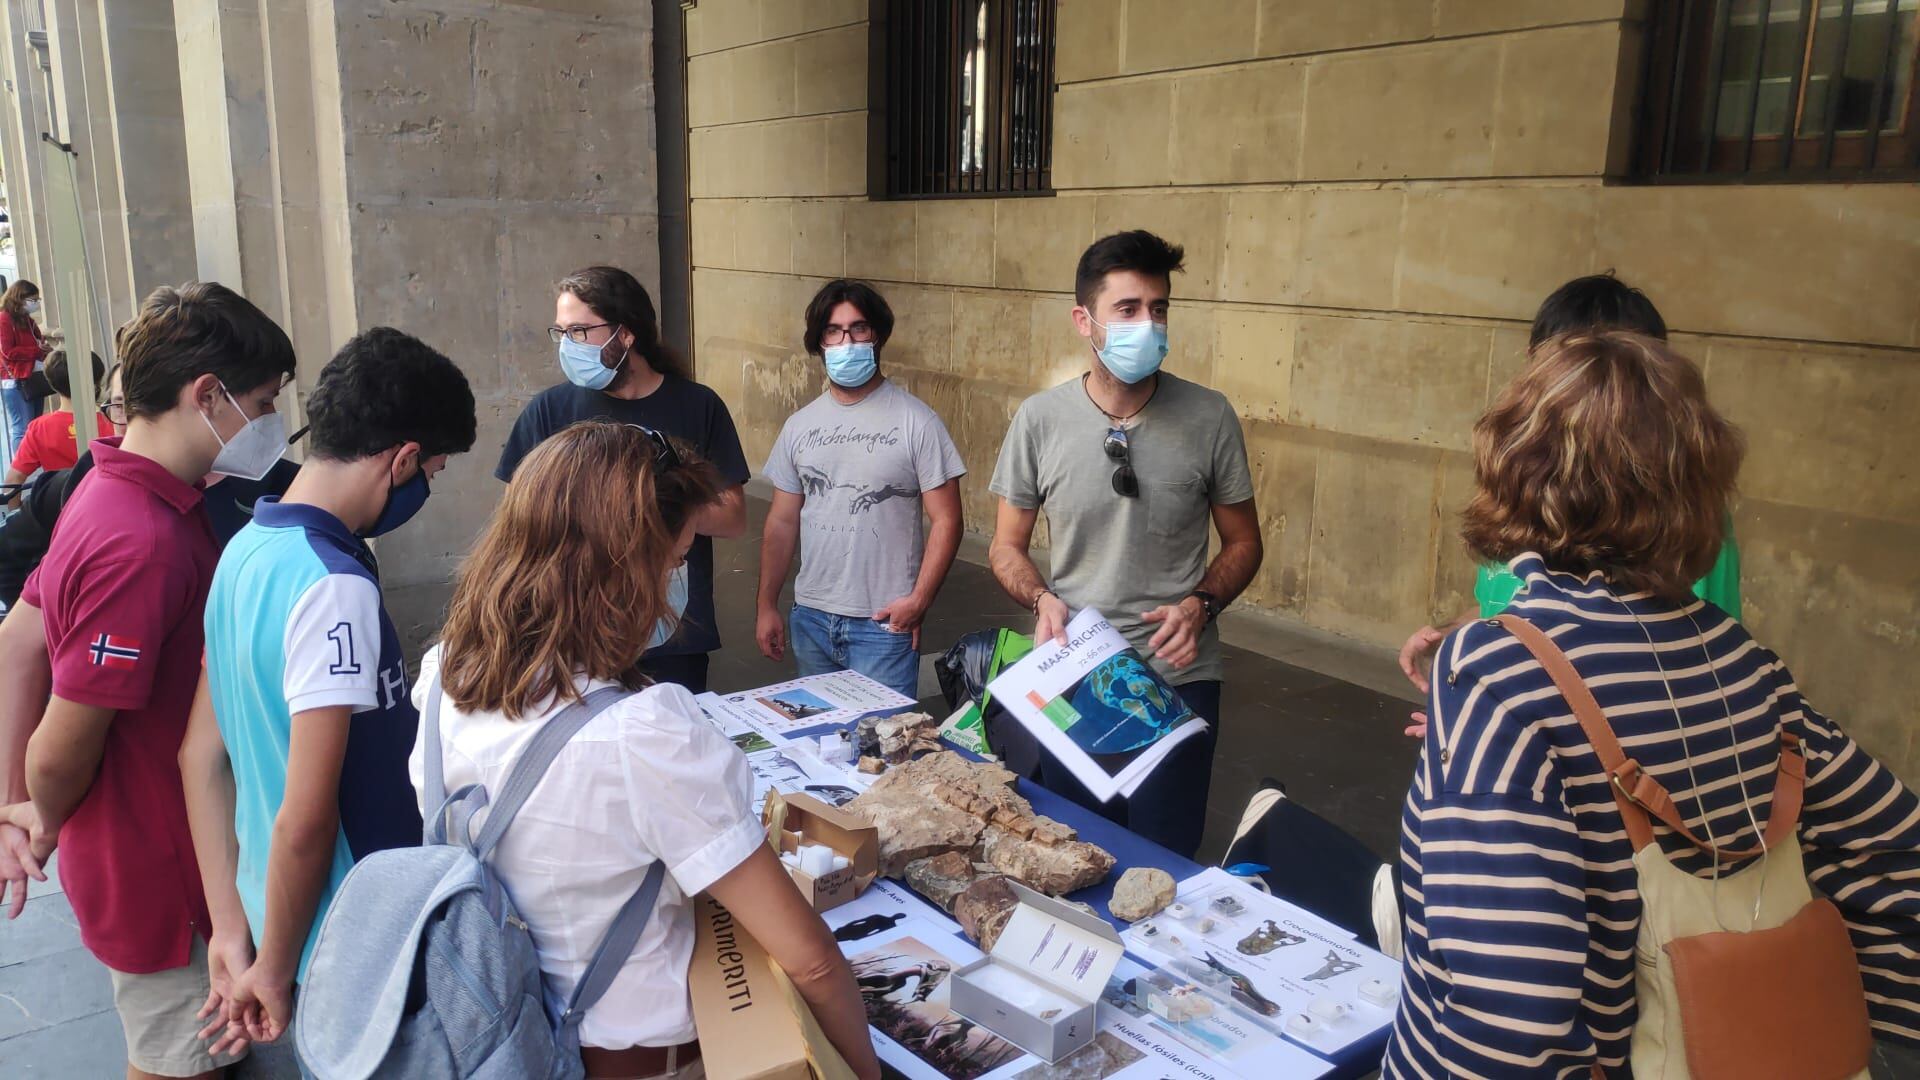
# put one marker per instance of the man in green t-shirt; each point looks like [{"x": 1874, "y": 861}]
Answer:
[{"x": 1595, "y": 302}]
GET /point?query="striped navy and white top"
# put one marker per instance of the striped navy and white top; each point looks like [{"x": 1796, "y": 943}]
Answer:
[{"x": 1522, "y": 904}]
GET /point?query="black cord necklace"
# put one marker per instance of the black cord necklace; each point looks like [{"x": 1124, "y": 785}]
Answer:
[{"x": 1118, "y": 420}]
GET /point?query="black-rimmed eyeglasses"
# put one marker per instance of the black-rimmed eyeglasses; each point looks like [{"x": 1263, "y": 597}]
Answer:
[
  {"x": 840, "y": 335},
  {"x": 1125, "y": 483},
  {"x": 575, "y": 334}
]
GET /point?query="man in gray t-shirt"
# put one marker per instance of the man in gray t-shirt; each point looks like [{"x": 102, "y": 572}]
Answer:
[
  {"x": 1130, "y": 465},
  {"x": 851, "y": 472}
]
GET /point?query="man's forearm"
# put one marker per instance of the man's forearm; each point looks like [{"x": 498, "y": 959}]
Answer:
[
  {"x": 297, "y": 866},
  {"x": 57, "y": 785},
  {"x": 207, "y": 774},
  {"x": 23, "y": 695},
  {"x": 1014, "y": 569},
  {"x": 943, "y": 543},
  {"x": 63, "y": 756},
  {"x": 1231, "y": 571},
  {"x": 776, "y": 557}
]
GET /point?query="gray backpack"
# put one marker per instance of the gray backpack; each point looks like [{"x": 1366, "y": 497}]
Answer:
[{"x": 423, "y": 969}]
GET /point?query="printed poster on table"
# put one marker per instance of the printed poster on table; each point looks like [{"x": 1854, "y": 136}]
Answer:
[
  {"x": 836, "y": 697},
  {"x": 1273, "y": 960},
  {"x": 904, "y": 953},
  {"x": 790, "y": 768},
  {"x": 1097, "y": 706}
]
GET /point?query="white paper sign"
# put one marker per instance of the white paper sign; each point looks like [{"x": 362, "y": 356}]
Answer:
[{"x": 832, "y": 698}]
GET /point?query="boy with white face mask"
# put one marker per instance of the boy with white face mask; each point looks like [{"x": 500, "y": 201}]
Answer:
[
  {"x": 1131, "y": 463},
  {"x": 121, "y": 592},
  {"x": 851, "y": 472}
]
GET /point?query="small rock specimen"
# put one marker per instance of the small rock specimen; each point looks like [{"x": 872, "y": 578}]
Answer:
[
  {"x": 1140, "y": 892},
  {"x": 940, "y": 878},
  {"x": 1055, "y": 868},
  {"x": 873, "y": 766},
  {"x": 984, "y": 908},
  {"x": 905, "y": 736},
  {"x": 943, "y": 802},
  {"x": 866, "y": 737}
]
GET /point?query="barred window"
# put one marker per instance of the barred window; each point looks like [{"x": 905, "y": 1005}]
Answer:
[
  {"x": 1780, "y": 89},
  {"x": 967, "y": 102}
]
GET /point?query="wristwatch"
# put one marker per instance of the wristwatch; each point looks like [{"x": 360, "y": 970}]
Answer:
[{"x": 1207, "y": 603}]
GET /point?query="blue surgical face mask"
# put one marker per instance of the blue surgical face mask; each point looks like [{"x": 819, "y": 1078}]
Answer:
[
  {"x": 403, "y": 501},
  {"x": 583, "y": 367},
  {"x": 852, "y": 364},
  {"x": 1134, "y": 350},
  {"x": 676, "y": 602}
]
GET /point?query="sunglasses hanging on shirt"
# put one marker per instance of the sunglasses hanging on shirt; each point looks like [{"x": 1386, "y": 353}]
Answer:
[{"x": 1125, "y": 483}]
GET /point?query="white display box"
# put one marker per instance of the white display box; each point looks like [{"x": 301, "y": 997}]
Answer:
[{"x": 1040, "y": 987}]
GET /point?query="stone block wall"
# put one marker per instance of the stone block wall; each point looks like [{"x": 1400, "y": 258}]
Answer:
[
  {"x": 1374, "y": 195},
  {"x": 434, "y": 165}
]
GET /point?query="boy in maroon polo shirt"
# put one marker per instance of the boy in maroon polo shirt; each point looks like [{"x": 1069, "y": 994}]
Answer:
[{"x": 121, "y": 592}]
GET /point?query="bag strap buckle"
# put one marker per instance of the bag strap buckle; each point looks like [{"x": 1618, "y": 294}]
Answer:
[{"x": 1626, "y": 780}]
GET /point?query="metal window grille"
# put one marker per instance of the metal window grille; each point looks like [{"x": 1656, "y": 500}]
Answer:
[
  {"x": 966, "y": 99},
  {"x": 1747, "y": 90}
]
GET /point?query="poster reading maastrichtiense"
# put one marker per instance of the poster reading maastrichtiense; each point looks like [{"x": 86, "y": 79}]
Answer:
[{"x": 1097, "y": 705}]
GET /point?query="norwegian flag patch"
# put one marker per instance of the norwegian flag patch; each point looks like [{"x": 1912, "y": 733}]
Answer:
[{"x": 114, "y": 651}]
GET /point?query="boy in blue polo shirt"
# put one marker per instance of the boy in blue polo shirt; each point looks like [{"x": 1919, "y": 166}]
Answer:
[{"x": 301, "y": 769}]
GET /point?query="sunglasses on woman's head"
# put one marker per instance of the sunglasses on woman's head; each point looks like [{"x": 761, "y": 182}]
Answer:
[{"x": 663, "y": 452}]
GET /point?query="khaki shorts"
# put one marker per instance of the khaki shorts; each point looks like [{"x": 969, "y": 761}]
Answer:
[{"x": 157, "y": 1010}]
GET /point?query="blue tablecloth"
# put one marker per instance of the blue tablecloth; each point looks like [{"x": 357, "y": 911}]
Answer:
[{"x": 1130, "y": 850}]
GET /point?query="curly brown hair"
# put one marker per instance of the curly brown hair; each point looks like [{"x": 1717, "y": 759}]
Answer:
[
  {"x": 1604, "y": 454},
  {"x": 570, "y": 575}
]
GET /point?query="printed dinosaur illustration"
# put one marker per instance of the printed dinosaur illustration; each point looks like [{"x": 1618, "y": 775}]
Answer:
[{"x": 1334, "y": 966}]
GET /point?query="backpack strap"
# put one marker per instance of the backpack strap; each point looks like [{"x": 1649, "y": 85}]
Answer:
[
  {"x": 1640, "y": 797},
  {"x": 433, "y": 786},
  {"x": 614, "y": 948},
  {"x": 532, "y": 764},
  {"x": 528, "y": 770}
]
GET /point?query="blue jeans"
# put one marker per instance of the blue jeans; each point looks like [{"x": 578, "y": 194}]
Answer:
[
  {"x": 825, "y": 642},
  {"x": 18, "y": 413}
]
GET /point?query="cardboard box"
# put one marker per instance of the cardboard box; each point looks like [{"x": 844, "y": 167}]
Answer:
[
  {"x": 1052, "y": 953},
  {"x": 753, "y": 1023},
  {"x": 807, "y": 820}
]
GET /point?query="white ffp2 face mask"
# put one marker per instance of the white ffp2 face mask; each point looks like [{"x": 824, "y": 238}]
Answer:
[{"x": 254, "y": 449}]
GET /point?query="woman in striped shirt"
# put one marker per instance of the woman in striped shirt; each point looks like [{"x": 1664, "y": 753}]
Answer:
[{"x": 1603, "y": 479}]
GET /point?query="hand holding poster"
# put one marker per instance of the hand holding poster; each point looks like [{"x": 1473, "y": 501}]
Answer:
[{"x": 1097, "y": 706}]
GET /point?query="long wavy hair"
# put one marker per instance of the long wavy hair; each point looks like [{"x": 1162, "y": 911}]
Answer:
[
  {"x": 1604, "y": 454},
  {"x": 570, "y": 575},
  {"x": 618, "y": 297}
]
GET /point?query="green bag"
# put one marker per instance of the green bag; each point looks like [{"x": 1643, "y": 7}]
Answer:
[
  {"x": 1494, "y": 586},
  {"x": 967, "y": 727}
]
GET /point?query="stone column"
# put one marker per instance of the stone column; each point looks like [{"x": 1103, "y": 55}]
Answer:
[
  {"x": 20, "y": 136},
  {"x": 86, "y": 123},
  {"x": 489, "y": 151},
  {"x": 27, "y": 119},
  {"x": 142, "y": 76},
  {"x": 223, "y": 90}
]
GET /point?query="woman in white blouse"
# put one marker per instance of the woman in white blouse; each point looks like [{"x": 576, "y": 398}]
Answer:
[{"x": 570, "y": 583}]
